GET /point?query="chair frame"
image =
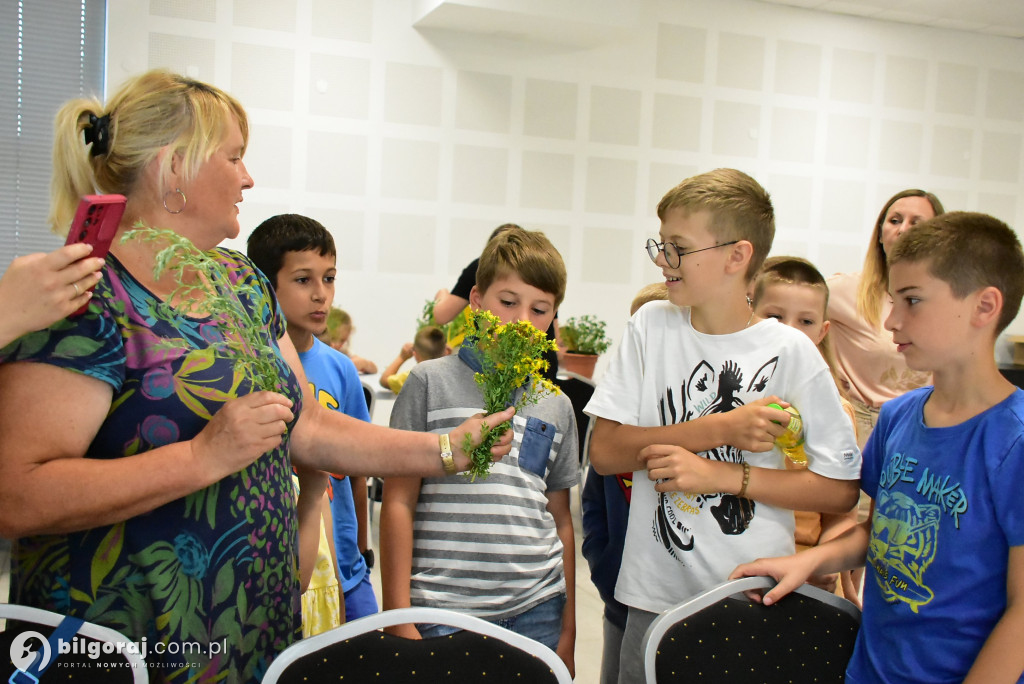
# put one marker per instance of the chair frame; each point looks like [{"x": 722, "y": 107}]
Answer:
[
  {"x": 374, "y": 485},
  {"x": 401, "y": 616},
  {"x": 370, "y": 395},
  {"x": 40, "y": 616},
  {"x": 565, "y": 375},
  {"x": 584, "y": 445},
  {"x": 668, "y": 619}
]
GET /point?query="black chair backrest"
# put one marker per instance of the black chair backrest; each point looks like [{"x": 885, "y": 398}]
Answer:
[
  {"x": 579, "y": 393},
  {"x": 370, "y": 398},
  {"x": 800, "y": 638},
  {"x": 459, "y": 658}
]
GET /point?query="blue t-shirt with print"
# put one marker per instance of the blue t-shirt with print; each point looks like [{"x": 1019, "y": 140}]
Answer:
[{"x": 947, "y": 510}]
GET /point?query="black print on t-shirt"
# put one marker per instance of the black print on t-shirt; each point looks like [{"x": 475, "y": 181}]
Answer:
[{"x": 705, "y": 392}]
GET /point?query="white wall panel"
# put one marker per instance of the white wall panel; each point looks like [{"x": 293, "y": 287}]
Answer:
[
  {"x": 550, "y": 108},
  {"x": 413, "y": 143}
]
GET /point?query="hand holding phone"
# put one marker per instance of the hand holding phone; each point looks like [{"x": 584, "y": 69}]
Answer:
[{"x": 95, "y": 223}]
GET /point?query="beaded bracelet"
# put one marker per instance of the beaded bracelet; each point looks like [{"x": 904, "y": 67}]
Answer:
[{"x": 746, "y": 480}]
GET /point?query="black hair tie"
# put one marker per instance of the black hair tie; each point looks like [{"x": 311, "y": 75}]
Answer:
[{"x": 98, "y": 134}]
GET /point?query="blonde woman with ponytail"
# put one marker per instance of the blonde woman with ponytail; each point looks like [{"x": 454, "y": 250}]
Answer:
[
  {"x": 146, "y": 479},
  {"x": 870, "y": 370}
]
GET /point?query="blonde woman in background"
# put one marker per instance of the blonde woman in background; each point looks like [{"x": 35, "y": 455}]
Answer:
[{"x": 871, "y": 370}]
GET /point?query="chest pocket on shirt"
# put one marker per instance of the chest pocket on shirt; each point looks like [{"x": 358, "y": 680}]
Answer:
[{"x": 536, "y": 446}]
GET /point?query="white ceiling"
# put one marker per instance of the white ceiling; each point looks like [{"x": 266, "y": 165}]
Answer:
[
  {"x": 584, "y": 23},
  {"x": 996, "y": 17}
]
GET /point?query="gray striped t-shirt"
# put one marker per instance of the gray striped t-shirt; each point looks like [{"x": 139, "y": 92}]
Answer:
[{"x": 487, "y": 548}]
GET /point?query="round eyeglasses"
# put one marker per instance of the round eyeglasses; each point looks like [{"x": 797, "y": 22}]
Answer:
[{"x": 673, "y": 254}]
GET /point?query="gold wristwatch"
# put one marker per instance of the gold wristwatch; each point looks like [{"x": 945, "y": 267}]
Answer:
[{"x": 446, "y": 454}]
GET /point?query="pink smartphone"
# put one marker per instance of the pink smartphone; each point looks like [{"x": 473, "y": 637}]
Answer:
[{"x": 96, "y": 222}]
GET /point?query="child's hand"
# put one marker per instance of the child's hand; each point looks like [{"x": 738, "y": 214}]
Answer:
[
  {"x": 789, "y": 571},
  {"x": 675, "y": 469},
  {"x": 754, "y": 427},
  {"x": 406, "y": 631},
  {"x": 566, "y": 650},
  {"x": 850, "y": 580},
  {"x": 364, "y": 366},
  {"x": 406, "y": 352},
  {"x": 827, "y": 582}
]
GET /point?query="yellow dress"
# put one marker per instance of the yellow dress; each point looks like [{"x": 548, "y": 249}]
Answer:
[{"x": 321, "y": 602}]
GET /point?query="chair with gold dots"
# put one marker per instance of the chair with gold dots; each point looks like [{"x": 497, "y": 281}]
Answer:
[
  {"x": 722, "y": 636},
  {"x": 359, "y": 652}
]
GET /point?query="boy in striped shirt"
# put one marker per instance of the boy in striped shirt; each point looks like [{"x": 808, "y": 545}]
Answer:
[{"x": 500, "y": 548}]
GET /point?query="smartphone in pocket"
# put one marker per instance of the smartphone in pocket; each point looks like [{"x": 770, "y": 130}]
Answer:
[{"x": 95, "y": 223}]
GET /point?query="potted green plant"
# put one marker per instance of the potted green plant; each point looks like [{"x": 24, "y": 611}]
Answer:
[{"x": 583, "y": 339}]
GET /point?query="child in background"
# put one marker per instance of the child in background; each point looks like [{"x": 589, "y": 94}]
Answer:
[
  {"x": 652, "y": 292},
  {"x": 500, "y": 548},
  {"x": 695, "y": 375},
  {"x": 429, "y": 343},
  {"x": 298, "y": 255},
  {"x": 605, "y": 514},
  {"x": 339, "y": 336},
  {"x": 945, "y": 544},
  {"x": 792, "y": 291},
  {"x": 349, "y": 494}
]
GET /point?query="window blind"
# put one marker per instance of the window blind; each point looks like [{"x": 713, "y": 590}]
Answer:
[{"x": 50, "y": 52}]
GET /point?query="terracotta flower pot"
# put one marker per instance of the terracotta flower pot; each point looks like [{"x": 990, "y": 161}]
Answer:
[{"x": 582, "y": 364}]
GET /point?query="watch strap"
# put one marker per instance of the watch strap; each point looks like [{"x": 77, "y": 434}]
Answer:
[{"x": 446, "y": 454}]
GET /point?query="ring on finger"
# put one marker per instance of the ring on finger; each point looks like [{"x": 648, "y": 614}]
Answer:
[{"x": 78, "y": 293}]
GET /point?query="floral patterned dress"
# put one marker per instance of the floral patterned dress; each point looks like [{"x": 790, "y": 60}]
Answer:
[{"x": 217, "y": 568}]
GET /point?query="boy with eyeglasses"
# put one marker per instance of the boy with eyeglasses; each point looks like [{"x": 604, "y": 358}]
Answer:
[{"x": 686, "y": 399}]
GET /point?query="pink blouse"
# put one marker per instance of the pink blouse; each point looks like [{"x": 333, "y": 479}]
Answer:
[{"x": 870, "y": 368}]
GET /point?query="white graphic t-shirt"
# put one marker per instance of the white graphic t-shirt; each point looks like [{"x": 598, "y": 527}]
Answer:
[{"x": 665, "y": 372}]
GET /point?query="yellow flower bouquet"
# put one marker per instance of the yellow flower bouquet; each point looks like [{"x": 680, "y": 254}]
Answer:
[{"x": 512, "y": 357}]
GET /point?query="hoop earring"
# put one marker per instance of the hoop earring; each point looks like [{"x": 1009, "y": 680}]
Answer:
[{"x": 184, "y": 201}]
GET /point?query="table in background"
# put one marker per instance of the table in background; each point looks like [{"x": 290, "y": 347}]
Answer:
[{"x": 383, "y": 399}]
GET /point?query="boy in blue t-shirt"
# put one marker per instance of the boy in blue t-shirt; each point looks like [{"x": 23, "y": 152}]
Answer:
[
  {"x": 945, "y": 543},
  {"x": 298, "y": 255}
]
